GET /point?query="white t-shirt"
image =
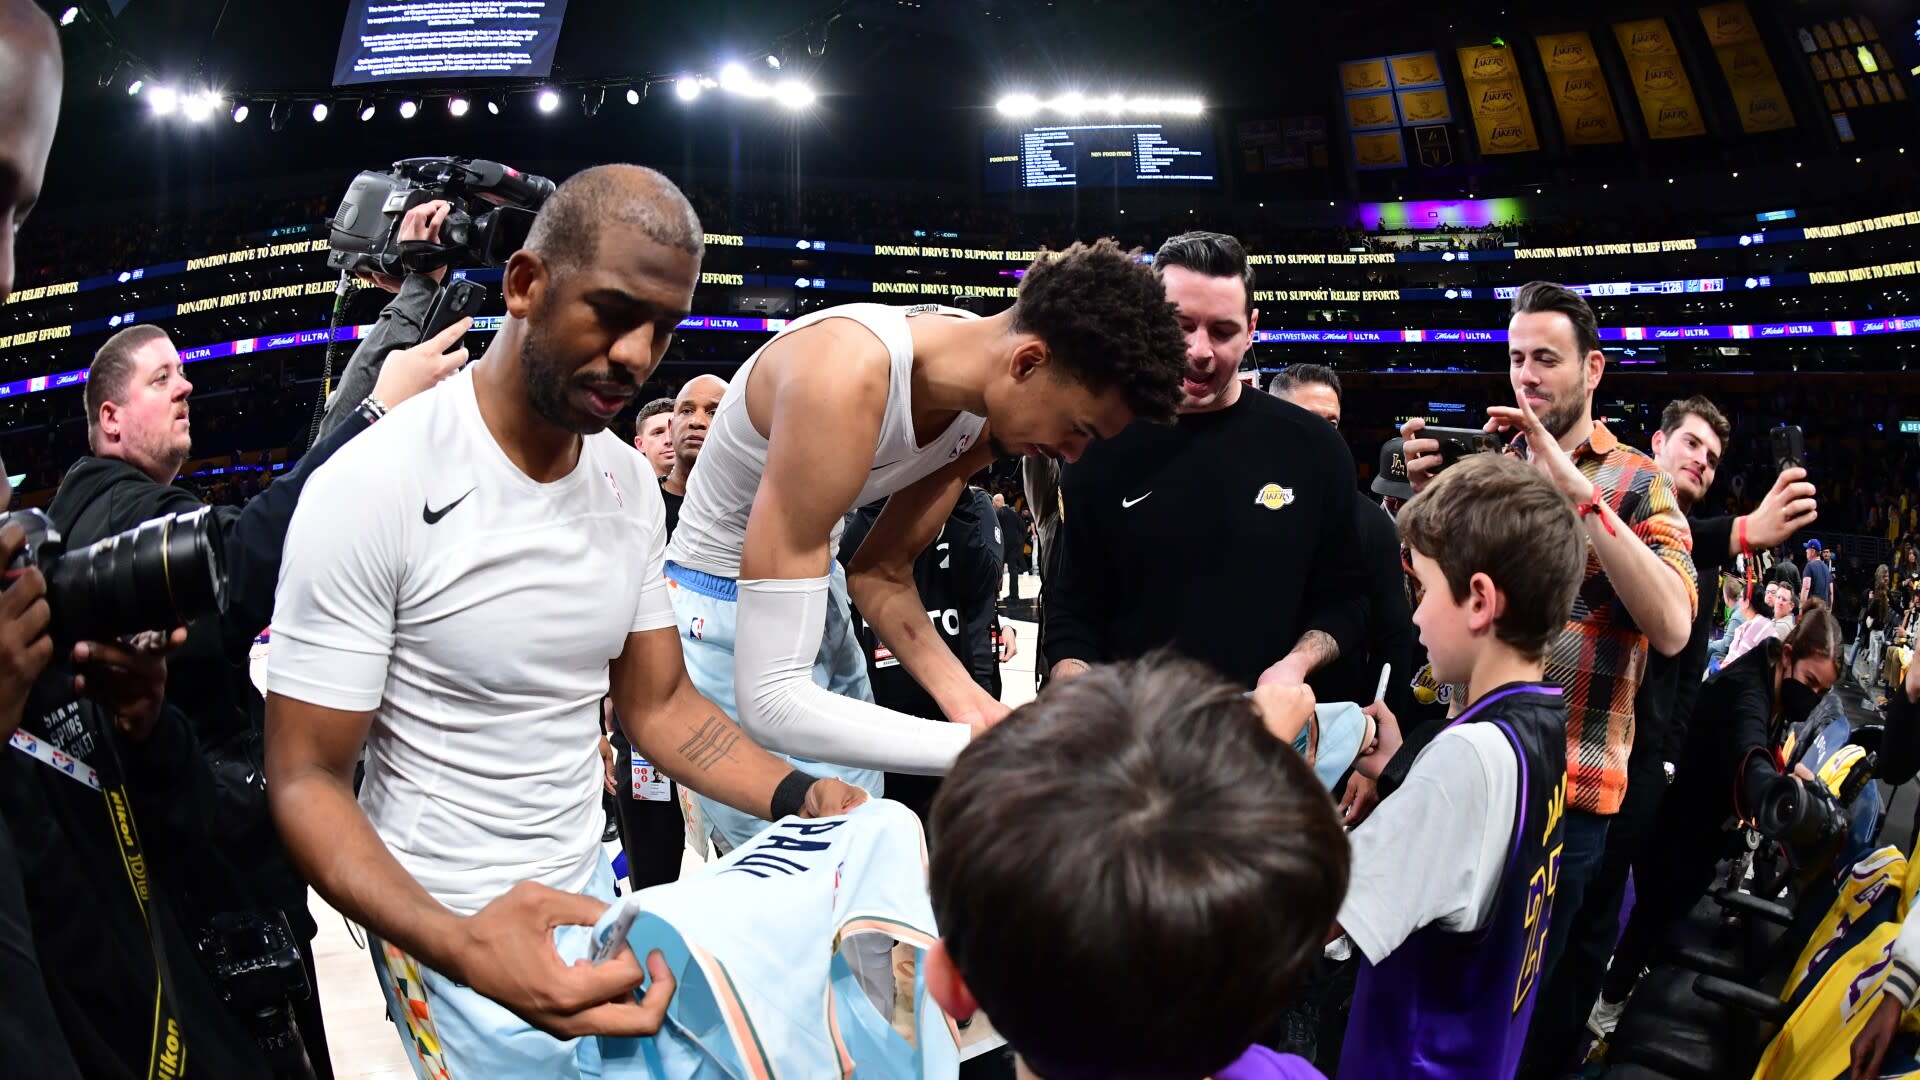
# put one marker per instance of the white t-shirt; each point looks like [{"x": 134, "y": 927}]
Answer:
[
  {"x": 474, "y": 612},
  {"x": 1433, "y": 851}
]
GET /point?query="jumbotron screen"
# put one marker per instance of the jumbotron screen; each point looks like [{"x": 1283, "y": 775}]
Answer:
[
  {"x": 393, "y": 40},
  {"x": 1144, "y": 154}
]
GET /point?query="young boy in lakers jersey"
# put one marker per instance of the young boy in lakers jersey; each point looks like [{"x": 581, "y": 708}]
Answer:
[{"x": 1453, "y": 876}]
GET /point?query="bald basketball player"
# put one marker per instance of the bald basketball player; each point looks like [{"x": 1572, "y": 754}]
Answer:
[
  {"x": 474, "y": 573},
  {"x": 689, "y": 421},
  {"x": 865, "y": 401}
]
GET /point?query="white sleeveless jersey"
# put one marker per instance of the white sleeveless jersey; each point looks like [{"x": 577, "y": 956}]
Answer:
[
  {"x": 751, "y": 939},
  {"x": 712, "y": 530}
]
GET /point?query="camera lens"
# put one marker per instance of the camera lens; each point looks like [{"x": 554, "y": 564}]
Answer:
[{"x": 155, "y": 576}]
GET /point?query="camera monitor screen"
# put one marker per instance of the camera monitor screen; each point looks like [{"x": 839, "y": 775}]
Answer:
[
  {"x": 392, "y": 40},
  {"x": 1097, "y": 154}
]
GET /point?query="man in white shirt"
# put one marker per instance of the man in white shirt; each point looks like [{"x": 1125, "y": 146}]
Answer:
[
  {"x": 456, "y": 596},
  {"x": 861, "y": 402}
]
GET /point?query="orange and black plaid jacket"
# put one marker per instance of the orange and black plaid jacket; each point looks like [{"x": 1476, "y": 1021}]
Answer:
[{"x": 1602, "y": 654}]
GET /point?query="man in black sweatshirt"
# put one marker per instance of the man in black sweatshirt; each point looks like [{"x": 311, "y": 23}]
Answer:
[
  {"x": 1389, "y": 640},
  {"x": 1687, "y": 448},
  {"x": 1229, "y": 535},
  {"x": 139, "y": 429}
]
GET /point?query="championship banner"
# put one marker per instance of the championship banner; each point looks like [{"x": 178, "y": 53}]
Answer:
[
  {"x": 1371, "y": 112},
  {"x": 1659, "y": 81},
  {"x": 1579, "y": 89},
  {"x": 1424, "y": 106},
  {"x": 1378, "y": 150},
  {"x": 1497, "y": 101},
  {"x": 1364, "y": 76},
  {"x": 1415, "y": 71},
  {"x": 1749, "y": 71}
]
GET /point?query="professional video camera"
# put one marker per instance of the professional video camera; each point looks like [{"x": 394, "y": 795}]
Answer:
[
  {"x": 157, "y": 575},
  {"x": 493, "y": 209}
]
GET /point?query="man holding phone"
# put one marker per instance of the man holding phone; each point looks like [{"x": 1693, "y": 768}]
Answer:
[{"x": 1640, "y": 589}]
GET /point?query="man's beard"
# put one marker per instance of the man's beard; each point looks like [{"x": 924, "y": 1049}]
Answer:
[
  {"x": 547, "y": 385},
  {"x": 1564, "y": 414}
]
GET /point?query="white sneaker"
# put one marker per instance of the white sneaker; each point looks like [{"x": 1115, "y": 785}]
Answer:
[{"x": 1604, "y": 1017}]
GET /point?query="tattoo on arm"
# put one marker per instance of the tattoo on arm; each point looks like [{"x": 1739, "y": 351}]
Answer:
[{"x": 710, "y": 743}]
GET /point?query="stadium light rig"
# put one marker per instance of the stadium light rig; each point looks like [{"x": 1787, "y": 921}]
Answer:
[
  {"x": 70, "y": 16},
  {"x": 548, "y": 100},
  {"x": 408, "y": 109},
  {"x": 457, "y": 105}
]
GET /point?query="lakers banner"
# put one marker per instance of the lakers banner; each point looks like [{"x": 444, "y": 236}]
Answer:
[
  {"x": 1370, "y": 112},
  {"x": 1364, "y": 76},
  {"x": 1659, "y": 81},
  {"x": 1579, "y": 89},
  {"x": 1497, "y": 101},
  {"x": 1415, "y": 71},
  {"x": 1378, "y": 150},
  {"x": 1749, "y": 71}
]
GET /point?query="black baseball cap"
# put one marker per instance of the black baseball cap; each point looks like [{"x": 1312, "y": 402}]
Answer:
[{"x": 1391, "y": 478}]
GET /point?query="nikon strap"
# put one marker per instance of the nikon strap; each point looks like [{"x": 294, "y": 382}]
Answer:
[{"x": 167, "y": 1045}]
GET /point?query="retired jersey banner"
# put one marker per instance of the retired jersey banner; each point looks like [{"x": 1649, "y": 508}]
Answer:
[
  {"x": 1579, "y": 89},
  {"x": 1415, "y": 71},
  {"x": 1364, "y": 76},
  {"x": 1378, "y": 150},
  {"x": 1659, "y": 81},
  {"x": 1371, "y": 112},
  {"x": 1497, "y": 101},
  {"x": 1749, "y": 71}
]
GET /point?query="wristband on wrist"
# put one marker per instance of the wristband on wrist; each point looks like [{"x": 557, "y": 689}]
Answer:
[
  {"x": 790, "y": 796},
  {"x": 1594, "y": 507},
  {"x": 372, "y": 409}
]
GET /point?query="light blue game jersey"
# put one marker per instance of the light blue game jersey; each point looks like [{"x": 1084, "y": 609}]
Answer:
[{"x": 753, "y": 941}]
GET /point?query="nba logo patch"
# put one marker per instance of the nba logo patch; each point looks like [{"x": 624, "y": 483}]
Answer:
[
  {"x": 696, "y": 627},
  {"x": 960, "y": 447},
  {"x": 1273, "y": 497},
  {"x": 615, "y": 485}
]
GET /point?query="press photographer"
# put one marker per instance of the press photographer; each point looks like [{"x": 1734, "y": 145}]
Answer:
[{"x": 139, "y": 430}]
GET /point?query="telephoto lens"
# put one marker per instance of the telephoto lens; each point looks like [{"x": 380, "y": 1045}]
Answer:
[{"x": 160, "y": 574}]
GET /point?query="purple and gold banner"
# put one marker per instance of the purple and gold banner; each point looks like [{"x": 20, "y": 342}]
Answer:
[
  {"x": 1378, "y": 150},
  {"x": 1371, "y": 112},
  {"x": 1364, "y": 76},
  {"x": 1749, "y": 71},
  {"x": 1667, "y": 103},
  {"x": 1579, "y": 89},
  {"x": 1497, "y": 101},
  {"x": 1415, "y": 71}
]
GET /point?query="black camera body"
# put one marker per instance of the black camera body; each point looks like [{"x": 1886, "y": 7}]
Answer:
[
  {"x": 255, "y": 965},
  {"x": 493, "y": 208},
  {"x": 160, "y": 574},
  {"x": 1458, "y": 443}
]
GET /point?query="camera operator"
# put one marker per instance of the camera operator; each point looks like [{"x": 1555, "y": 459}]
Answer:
[
  {"x": 139, "y": 430},
  {"x": 399, "y": 324}
]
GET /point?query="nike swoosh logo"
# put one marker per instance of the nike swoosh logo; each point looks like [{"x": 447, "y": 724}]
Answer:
[
  {"x": 432, "y": 516},
  {"x": 1128, "y": 504},
  {"x": 895, "y": 461}
]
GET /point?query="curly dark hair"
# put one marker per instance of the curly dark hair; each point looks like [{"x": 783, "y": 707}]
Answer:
[{"x": 1106, "y": 320}]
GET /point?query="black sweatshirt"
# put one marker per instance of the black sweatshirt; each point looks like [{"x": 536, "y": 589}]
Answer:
[
  {"x": 1226, "y": 536},
  {"x": 1390, "y": 637}
]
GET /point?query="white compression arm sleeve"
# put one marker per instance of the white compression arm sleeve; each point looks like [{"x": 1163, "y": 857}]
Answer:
[{"x": 777, "y": 632}]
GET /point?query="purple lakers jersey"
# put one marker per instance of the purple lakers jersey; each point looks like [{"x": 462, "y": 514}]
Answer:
[{"x": 1456, "y": 1005}]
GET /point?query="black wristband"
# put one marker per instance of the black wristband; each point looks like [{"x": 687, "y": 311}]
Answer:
[{"x": 791, "y": 796}]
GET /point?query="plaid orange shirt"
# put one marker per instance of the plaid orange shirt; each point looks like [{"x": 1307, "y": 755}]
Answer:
[{"x": 1601, "y": 656}]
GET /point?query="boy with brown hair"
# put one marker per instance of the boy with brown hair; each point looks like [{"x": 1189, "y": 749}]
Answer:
[
  {"x": 1451, "y": 966},
  {"x": 1131, "y": 873}
]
